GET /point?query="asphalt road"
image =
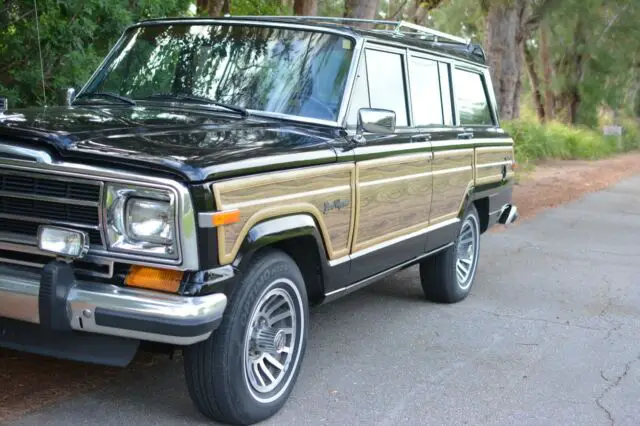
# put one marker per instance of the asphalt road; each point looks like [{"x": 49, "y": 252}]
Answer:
[{"x": 549, "y": 335}]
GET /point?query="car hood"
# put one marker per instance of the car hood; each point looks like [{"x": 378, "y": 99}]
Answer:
[{"x": 195, "y": 144}]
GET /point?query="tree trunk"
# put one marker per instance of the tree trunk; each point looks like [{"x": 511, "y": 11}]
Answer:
[
  {"x": 420, "y": 8},
  {"x": 573, "y": 66},
  {"x": 202, "y": 6},
  {"x": 305, "y": 7},
  {"x": 503, "y": 44},
  {"x": 535, "y": 81},
  {"x": 547, "y": 72},
  {"x": 362, "y": 9},
  {"x": 218, "y": 7}
]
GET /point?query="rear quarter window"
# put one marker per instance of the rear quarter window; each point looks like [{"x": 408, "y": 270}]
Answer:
[{"x": 471, "y": 98}]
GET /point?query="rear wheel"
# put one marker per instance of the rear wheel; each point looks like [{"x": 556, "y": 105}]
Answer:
[
  {"x": 447, "y": 277},
  {"x": 246, "y": 370}
]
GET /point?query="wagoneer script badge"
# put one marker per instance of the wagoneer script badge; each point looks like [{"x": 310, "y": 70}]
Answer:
[{"x": 335, "y": 204}]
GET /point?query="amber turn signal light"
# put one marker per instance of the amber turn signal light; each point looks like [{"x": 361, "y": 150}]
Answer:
[
  {"x": 225, "y": 217},
  {"x": 154, "y": 279}
]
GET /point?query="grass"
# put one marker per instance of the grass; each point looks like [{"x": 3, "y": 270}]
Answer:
[{"x": 535, "y": 141}]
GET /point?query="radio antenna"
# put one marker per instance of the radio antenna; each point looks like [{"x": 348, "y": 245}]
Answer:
[{"x": 44, "y": 91}]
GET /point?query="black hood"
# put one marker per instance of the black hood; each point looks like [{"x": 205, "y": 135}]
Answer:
[{"x": 193, "y": 144}]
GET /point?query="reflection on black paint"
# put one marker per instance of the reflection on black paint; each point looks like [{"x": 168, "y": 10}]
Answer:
[{"x": 188, "y": 141}]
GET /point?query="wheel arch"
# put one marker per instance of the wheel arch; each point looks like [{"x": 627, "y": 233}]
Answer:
[
  {"x": 299, "y": 237},
  {"x": 482, "y": 207}
]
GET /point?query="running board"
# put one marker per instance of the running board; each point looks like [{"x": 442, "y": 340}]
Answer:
[{"x": 372, "y": 279}]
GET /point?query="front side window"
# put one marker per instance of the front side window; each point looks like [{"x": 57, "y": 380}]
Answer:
[
  {"x": 260, "y": 68},
  {"x": 386, "y": 83},
  {"x": 360, "y": 95},
  {"x": 471, "y": 99}
]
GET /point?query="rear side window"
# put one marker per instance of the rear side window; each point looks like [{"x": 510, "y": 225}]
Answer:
[
  {"x": 426, "y": 100},
  {"x": 386, "y": 83},
  {"x": 471, "y": 99}
]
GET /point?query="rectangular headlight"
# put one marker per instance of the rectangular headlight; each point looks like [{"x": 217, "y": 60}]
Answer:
[
  {"x": 141, "y": 220},
  {"x": 68, "y": 243},
  {"x": 150, "y": 220}
]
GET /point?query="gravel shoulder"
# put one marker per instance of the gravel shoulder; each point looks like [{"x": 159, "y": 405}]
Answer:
[
  {"x": 557, "y": 182},
  {"x": 30, "y": 382}
]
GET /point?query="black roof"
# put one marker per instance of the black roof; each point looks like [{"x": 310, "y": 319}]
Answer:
[{"x": 468, "y": 51}]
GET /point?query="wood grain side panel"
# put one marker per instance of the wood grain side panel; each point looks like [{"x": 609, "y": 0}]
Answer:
[
  {"x": 490, "y": 162},
  {"x": 452, "y": 178},
  {"x": 313, "y": 191},
  {"x": 394, "y": 197}
]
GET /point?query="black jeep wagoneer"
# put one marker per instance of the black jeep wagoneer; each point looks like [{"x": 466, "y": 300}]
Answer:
[{"x": 214, "y": 178}]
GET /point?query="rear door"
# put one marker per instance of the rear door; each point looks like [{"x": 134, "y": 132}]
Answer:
[
  {"x": 478, "y": 122},
  {"x": 452, "y": 168}
]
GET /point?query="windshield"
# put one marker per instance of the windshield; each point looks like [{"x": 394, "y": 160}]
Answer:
[{"x": 277, "y": 70}]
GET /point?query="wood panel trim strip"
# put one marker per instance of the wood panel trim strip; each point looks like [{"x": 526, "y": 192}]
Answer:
[{"x": 228, "y": 254}]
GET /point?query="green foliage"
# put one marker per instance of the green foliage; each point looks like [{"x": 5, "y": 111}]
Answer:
[
  {"x": 461, "y": 17},
  {"x": 535, "y": 141},
  {"x": 263, "y": 7},
  {"x": 75, "y": 36},
  {"x": 594, "y": 53},
  {"x": 630, "y": 134}
]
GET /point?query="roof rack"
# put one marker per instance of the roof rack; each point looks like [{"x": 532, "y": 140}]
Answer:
[
  {"x": 397, "y": 26},
  {"x": 403, "y": 28}
]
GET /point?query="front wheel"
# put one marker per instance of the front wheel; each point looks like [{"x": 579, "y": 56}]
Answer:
[
  {"x": 245, "y": 371},
  {"x": 447, "y": 277}
]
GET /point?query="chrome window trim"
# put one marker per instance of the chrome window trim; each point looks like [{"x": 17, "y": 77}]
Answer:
[
  {"x": 424, "y": 127},
  {"x": 402, "y": 51},
  {"x": 186, "y": 223},
  {"x": 440, "y": 55},
  {"x": 407, "y": 88},
  {"x": 488, "y": 93},
  {"x": 349, "y": 95},
  {"x": 346, "y": 95}
]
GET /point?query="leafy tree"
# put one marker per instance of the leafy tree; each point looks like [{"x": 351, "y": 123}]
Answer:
[
  {"x": 572, "y": 59},
  {"x": 74, "y": 36}
]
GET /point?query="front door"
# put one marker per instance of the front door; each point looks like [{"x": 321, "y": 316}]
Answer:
[{"x": 393, "y": 174}]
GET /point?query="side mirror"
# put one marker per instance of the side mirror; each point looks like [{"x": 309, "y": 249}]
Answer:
[
  {"x": 4, "y": 104},
  {"x": 374, "y": 120},
  {"x": 71, "y": 94}
]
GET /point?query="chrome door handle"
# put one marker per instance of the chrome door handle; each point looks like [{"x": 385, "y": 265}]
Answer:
[{"x": 467, "y": 135}]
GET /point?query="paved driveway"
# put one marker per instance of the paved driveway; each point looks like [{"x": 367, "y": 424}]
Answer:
[{"x": 549, "y": 335}]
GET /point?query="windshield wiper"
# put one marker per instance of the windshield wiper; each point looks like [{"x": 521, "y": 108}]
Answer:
[
  {"x": 198, "y": 99},
  {"x": 106, "y": 95}
]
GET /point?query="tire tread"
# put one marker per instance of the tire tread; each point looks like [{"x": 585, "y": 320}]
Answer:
[
  {"x": 437, "y": 273},
  {"x": 206, "y": 362}
]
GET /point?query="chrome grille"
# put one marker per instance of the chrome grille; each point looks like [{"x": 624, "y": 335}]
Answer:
[{"x": 28, "y": 200}]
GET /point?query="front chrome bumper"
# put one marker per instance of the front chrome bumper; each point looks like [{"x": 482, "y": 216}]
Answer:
[{"x": 110, "y": 310}]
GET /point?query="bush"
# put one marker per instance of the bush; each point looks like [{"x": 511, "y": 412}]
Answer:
[{"x": 535, "y": 141}]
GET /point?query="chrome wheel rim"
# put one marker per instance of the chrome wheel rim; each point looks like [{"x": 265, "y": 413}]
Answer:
[
  {"x": 272, "y": 341},
  {"x": 467, "y": 252}
]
